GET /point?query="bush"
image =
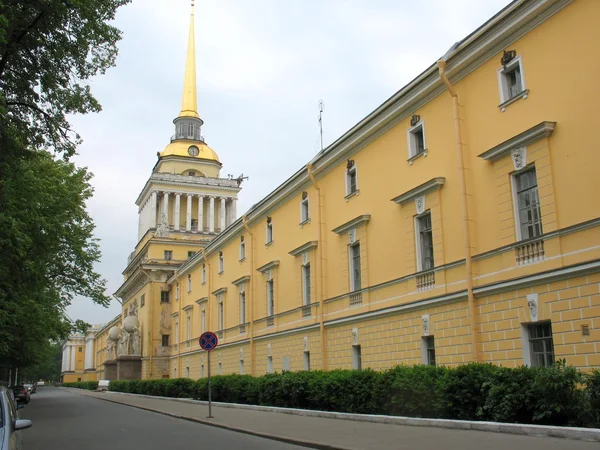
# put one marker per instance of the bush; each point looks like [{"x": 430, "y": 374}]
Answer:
[
  {"x": 559, "y": 395},
  {"x": 89, "y": 385}
]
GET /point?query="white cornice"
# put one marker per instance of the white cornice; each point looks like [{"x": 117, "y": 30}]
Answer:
[
  {"x": 241, "y": 280},
  {"x": 202, "y": 300},
  {"x": 527, "y": 137},
  {"x": 219, "y": 291},
  {"x": 431, "y": 185},
  {"x": 303, "y": 248},
  {"x": 357, "y": 221},
  {"x": 267, "y": 266}
]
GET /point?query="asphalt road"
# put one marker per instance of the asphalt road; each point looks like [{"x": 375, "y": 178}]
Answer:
[{"x": 67, "y": 421}]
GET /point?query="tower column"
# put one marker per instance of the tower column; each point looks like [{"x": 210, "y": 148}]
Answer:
[
  {"x": 177, "y": 217},
  {"x": 200, "y": 214},
  {"x": 165, "y": 209},
  {"x": 188, "y": 213},
  {"x": 222, "y": 215},
  {"x": 153, "y": 209},
  {"x": 233, "y": 209},
  {"x": 211, "y": 215}
]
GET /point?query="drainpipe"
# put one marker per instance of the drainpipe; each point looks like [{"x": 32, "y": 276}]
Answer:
[
  {"x": 179, "y": 301},
  {"x": 320, "y": 271},
  {"x": 251, "y": 299},
  {"x": 465, "y": 212},
  {"x": 150, "y": 322}
]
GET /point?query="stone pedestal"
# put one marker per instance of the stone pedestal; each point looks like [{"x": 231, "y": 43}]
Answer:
[
  {"x": 110, "y": 370},
  {"x": 129, "y": 368}
]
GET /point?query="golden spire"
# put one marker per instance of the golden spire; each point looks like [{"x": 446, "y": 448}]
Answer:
[{"x": 189, "y": 103}]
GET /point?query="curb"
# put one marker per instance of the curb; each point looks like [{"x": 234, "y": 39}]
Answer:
[
  {"x": 573, "y": 433},
  {"x": 272, "y": 437}
]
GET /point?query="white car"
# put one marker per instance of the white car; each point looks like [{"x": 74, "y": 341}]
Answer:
[{"x": 10, "y": 424}]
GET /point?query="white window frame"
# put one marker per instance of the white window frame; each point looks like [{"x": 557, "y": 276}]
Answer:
[
  {"x": 356, "y": 357},
  {"x": 269, "y": 364},
  {"x": 304, "y": 211},
  {"x": 242, "y": 304},
  {"x": 221, "y": 310},
  {"x": 347, "y": 173},
  {"x": 269, "y": 233},
  {"x": 418, "y": 240},
  {"x": 203, "y": 275},
  {"x": 424, "y": 350},
  {"x": 351, "y": 266},
  {"x": 221, "y": 263},
  {"x": 189, "y": 280},
  {"x": 503, "y": 89},
  {"x": 270, "y": 297},
  {"x": 177, "y": 292},
  {"x": 168, "y": 255},
  {"x": 526, "y": 343},
  {"x": 188, "y": 322},
  {"x": 306, "y": 360},
  {"x": 306, "y": 293},
  {"x": 242, "y": 251},
  {"x": 412, "y": 141},
  {"x": 515, "y": 198}
]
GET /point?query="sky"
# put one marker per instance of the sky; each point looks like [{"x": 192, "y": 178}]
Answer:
[{"x": 262, "y": 67}]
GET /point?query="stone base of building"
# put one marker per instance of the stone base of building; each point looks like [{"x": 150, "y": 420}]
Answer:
[
  {"x": 129, "y": 368},
  {"x": 110, "y": 370}
]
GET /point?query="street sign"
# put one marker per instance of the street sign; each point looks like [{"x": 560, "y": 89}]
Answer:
[{"x": 208, "y": 341}]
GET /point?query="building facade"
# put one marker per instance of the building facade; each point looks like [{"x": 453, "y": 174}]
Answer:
[{"x": 454, "y": 223}]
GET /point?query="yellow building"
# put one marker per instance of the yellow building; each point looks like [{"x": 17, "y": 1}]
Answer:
[
  {"x": 452, "y": 224},
  {"x": 78, "y": 362}
]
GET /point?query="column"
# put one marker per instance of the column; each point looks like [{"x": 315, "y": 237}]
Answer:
[
  {"x": 200, "y": 213},
  {"x": 153, "y": 209},
  {"x": 188, "y": 214},
  {"x": 64, "y": 360},
  {"x": 211, "y": 215},
  {"x": 177, "y": 211},
  {"x": 165, "y": 209},
  {"x": 222, "y": 215},
  {"x": 73, "y": 355},
  {"x": 233, "y": 209},
  {"x": 67, "y": 351}
]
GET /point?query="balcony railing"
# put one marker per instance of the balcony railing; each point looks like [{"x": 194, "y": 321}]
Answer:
[
  {"x": 190, "y": 136},
  {"x": 355, "y": 299},
  {"x": 530, "y": 252},
  {"x": 426, "y": 281}
]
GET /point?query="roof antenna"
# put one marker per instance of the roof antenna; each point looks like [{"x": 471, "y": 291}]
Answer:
[{"x": 321, "y": 107}]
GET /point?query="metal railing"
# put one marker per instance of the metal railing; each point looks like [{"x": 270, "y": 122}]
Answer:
[
  {"x": 426, "y": 281},
  {"x": 530, "y": 252}
]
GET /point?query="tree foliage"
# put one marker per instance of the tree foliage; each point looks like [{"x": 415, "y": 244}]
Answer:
[{"x": 49, "y": 50}]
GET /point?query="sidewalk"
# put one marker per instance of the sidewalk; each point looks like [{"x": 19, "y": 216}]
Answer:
[{"x": 328, "y": 433}]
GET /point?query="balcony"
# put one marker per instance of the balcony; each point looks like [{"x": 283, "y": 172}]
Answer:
[
  {"x": 529, "y": 252},
  {"x": 356, "y": 299},
  {"x": 188, "y": 136},
  {"x": 426, "y": 281}
]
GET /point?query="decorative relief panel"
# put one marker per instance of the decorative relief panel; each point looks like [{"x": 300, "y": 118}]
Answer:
[
  {"x": 519, "y": 157},
  {"x": 352, "y": 235},
  {"x": 425, "y": 319},
  {"x": 304, "y": 258},
  {"x": 305, "y": 343},
  {"x": 354, "y": 336},
  {"x": 532, "y": 304},
  {"x": 420, "y": 204}
]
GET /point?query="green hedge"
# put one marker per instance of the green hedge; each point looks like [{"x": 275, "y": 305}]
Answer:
[
  {"x": 89, "y": 385},
  {"x": 559, "y": 395}
]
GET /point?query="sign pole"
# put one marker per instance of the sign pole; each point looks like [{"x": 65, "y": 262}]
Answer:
[{"x": 209, "y": 396}]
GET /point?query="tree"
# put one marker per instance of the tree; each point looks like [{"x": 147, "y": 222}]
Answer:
[{"x": 48, "y": 51}]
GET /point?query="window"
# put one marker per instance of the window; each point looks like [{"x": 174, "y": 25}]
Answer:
[
  {"x": 356, "y": 357},
  {"x": 189, "y": 280},
  {"x": 203, "y": 320},
  {"x": 78, "y": 379},
  {"x": 220, "y": 369},
  {"x": 242, "y": 305},
  {"x": 168, "y": 255},
  {"x": 355, "y": 284},
  {"x": 187, "y": 372},
  {"x": 511, "y": 81},
  {"x": 306, "y": 284},
  {"x": 429, "y": 350},
  {"x": 221, "y": 262},
  {"x": 221, "y": 318},
  {"x": 177, "y": 292},
  {"x": 241, "y": 367},
  {"x": 541, "y": 345},
  {"x": 203, "y": 273},
  {"x": 164, "y": 296},
  {"x": 176, "y": 332},
  {"x": 270, "y": 298},
  {"x": 188, "y": 325},
  {"x": 269, "y": 231},
  {"x": 192, "y": 173},
  {"x": 351, "y": 179},
  {"x": 242, "y": 251},
  {"x": 269, "y": 364},
  {"x": 142, "y": 300},
  {"x": 529, "y": 221},
  {"x": 165, "y": 340},
  {"x": 424, "y": 242},
  {"x": 80, "y": 349},
  {"x": 306, "y": 360},
  {"x": 416, "y": 140},
  {"x": 304, "y": 211},
  {"x": 191, "y": 253}
]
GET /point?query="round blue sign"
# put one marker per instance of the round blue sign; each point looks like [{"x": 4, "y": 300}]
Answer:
[{"x": 208, "y": 341}]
